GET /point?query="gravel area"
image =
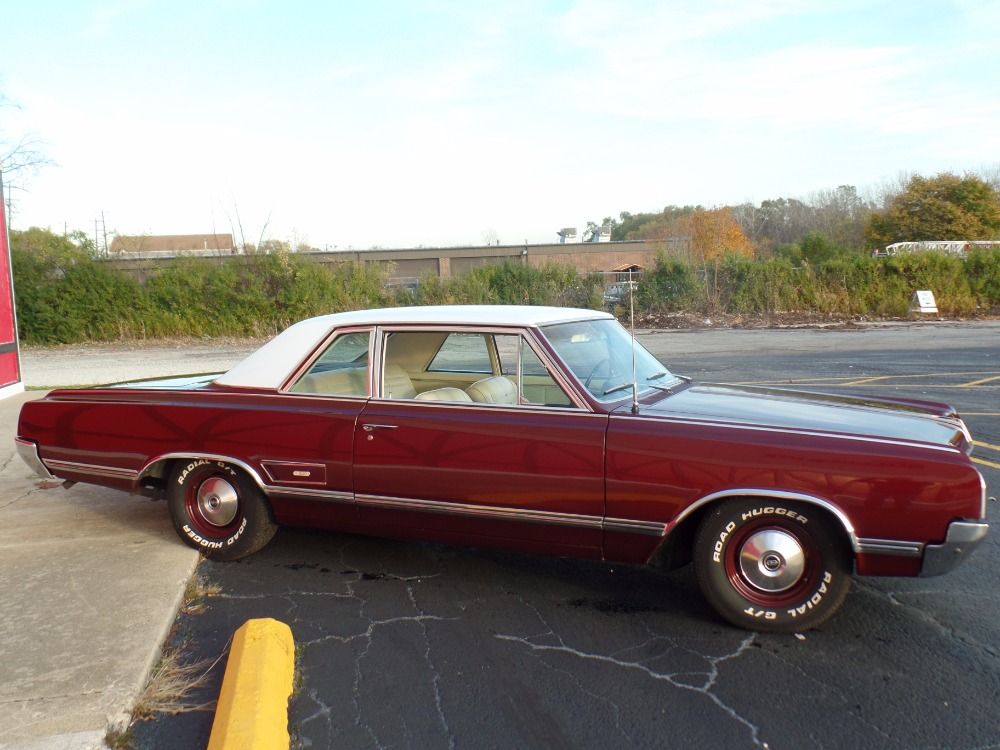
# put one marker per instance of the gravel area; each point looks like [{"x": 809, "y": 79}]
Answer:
[{"x": 116, "y": 363}]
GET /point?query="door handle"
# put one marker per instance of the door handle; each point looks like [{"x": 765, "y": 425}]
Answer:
[{"x": 373, "y": 427}]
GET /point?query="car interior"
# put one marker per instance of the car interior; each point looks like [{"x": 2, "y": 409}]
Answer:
[{"x": 458, "y": 367}]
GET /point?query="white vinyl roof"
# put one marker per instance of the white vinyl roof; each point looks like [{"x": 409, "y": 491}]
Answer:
[{"x": 270, "y": 366}]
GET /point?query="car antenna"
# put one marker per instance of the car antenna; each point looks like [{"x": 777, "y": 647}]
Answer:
[{"x": 631, "y": 310}]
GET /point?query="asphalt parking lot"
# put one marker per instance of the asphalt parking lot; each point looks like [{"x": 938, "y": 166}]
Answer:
[{"x": 418, "y": 645}]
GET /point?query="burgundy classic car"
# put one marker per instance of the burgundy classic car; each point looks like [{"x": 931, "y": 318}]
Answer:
[{"x": 538, "y": 429}]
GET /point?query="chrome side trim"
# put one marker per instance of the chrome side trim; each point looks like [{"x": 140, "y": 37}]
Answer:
[
  {"x": 480, "y": 511},
  {"x": 646, "y": 528},
  {"x": 93, "y": 469},
  {"x": 890, "y": 547},
  {"x": 492, "y": 408},
  {"x": 28, "y": 450},
  {"x": 330, "y": 496},
  {"x": 773, "y": 494}
]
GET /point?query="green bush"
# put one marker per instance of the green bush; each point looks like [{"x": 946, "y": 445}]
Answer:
[
  {"x": 749, "y": 287},
  {"x": 982, "y": 268},
  {"x": 670, "y": 285},
  {"x": 860, "y": 285},
  {"x": 64, "y": 296},
  {"x": 258, "y": 295}
]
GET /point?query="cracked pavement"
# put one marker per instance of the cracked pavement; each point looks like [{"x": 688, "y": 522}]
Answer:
[{"x": 406, "y": 644}]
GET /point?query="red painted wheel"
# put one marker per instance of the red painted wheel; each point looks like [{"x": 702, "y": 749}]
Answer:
[
  {"x": 773, "y": 566},
  {"x": 217, "y": 509}
]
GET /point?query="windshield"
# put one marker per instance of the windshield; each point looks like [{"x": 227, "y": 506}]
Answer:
[{"x": 599, "y": 352}]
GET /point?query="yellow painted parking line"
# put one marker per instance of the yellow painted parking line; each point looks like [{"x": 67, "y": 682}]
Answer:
[
  {"x": 941, "y": 385},
  {"x": 865, "y": 381},
  {"x": 986, "y": 445},
  {"x": 980, "y": 382},
  {"x": 852, "y": 380},
  {"x": 984, "y": 462}
]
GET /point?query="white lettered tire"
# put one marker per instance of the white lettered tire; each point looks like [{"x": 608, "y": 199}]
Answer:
[
  {"x": 772, "y": 565},
  {"x": 217, "y": 509}
]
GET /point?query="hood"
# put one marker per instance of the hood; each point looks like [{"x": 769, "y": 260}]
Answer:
[{"x": 896, "y": 419}]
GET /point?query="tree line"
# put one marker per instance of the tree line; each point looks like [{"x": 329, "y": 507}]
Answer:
[
  {"x": 66, "y": 295},
  {"x": 945, "y": 206}
]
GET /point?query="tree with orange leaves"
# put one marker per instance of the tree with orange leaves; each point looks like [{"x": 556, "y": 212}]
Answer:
[{"x": 714, "y": 232}]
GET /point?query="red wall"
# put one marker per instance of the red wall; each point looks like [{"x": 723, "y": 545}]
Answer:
[{"x": 10, "y": 370}]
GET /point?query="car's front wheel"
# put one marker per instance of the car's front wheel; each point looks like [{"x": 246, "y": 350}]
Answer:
[
  {"x": 217, "y": 509},
  {"x": 770, "y": 565}
]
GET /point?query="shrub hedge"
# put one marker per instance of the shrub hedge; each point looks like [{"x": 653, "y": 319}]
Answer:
[
  {"x": 66, "y": 296},
  {"x": 848, "y": 284}
]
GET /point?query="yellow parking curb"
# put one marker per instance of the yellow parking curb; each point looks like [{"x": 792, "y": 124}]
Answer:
[{"x": 253, "y": 704}]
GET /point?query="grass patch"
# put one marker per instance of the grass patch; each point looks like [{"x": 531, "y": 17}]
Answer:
[
  {"x": 197, "y": 590},
  {"x": 171, "y": 685}
]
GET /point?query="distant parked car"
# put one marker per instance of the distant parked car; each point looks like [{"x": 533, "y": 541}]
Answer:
[
  {"x": 539, "y": 429},
  {"x": 618, "y": 293}
]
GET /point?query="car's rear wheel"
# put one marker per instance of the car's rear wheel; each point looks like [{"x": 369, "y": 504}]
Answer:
[
  {"x": 217, "y": 509},
  {"x": 774, "y": 566}
]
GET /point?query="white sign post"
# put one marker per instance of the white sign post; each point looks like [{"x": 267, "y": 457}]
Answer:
[{"x": 923, "y": 302}]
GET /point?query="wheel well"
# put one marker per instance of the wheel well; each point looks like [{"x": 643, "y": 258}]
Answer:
[
  {"x": 154, "y": 477},
  {"x": 678, "y": 546}
]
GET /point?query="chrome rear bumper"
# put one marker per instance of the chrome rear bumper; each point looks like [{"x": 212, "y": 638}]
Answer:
[
  {"x": 962, "y": 538},
  {"x": 29, "y": 453}
]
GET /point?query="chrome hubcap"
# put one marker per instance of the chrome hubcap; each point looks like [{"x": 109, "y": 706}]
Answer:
[
  {"x": 772, "y": 560},
  {"x": 218, "y": 501}
]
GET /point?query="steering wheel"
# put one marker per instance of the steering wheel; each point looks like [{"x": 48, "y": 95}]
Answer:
[{"x": 606, "y": 362}]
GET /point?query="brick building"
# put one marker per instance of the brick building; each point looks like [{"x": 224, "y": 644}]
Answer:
[
  {"x": 143, "y": 246},
  {"x": 410, "y": 264}
]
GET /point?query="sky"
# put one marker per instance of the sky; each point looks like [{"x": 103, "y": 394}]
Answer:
[{"x": 447, "y": 122}]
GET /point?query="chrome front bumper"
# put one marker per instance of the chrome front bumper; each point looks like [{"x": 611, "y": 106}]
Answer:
[
  {"x": 29, "y": 453},
  {"x": 962, "y": 538}
]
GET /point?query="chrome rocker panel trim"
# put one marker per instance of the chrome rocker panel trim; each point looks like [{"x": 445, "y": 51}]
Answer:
[{"x": 480, "y": 511}]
